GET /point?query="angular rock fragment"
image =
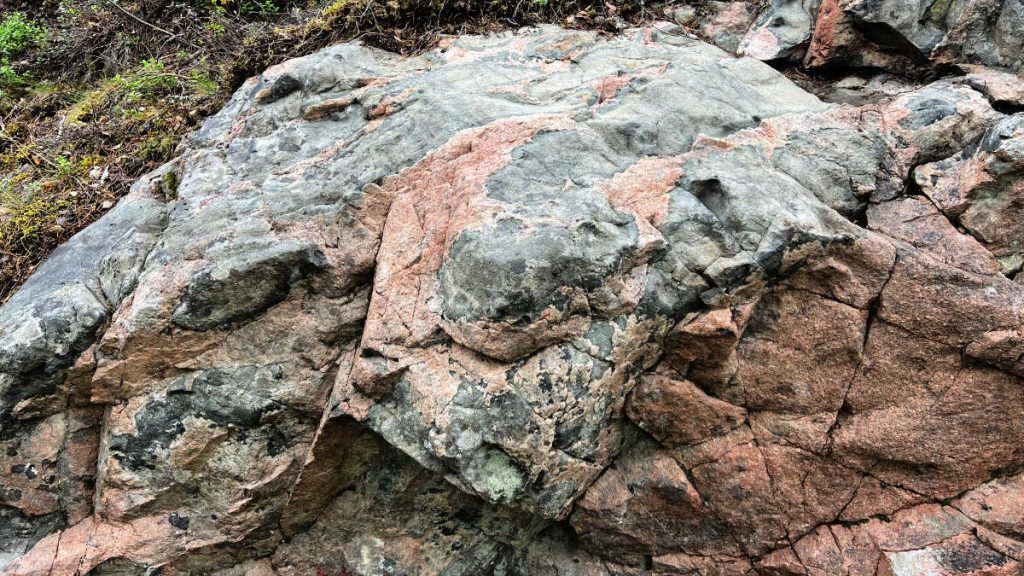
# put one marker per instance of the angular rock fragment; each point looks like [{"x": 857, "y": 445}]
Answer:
[
  {"x": 726, "y": 23},
  {"x": 782, "y": 31}
]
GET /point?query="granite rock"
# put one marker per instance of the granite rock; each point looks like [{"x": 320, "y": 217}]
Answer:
[
  {"x": 536, "y": 303},
  {"x": 897, "y": 35}
]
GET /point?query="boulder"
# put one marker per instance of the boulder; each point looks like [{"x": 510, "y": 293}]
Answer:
[{"x": 534, "y": 303}]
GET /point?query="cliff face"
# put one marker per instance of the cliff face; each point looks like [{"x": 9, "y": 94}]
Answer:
[{"x": 536, "y": 303}]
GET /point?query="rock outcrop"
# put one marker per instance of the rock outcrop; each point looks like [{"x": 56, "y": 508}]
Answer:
[
  {"x": 538, "y": 303},
  {"x": 898, "y": 35}
]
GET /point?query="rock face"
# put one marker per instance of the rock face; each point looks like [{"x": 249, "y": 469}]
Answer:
[
  {"x": 898, "y": 35},
  {"x": 536, "y": 303}
]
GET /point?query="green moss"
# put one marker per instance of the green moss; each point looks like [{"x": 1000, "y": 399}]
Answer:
[
  {"x": 940, "y": 9},
  {"x": 91, "y": 100},
  {"x": 168, "y": 186},
  {"x": 26, "y": 221},
  {"x": 144, "y": 84},
  {"x": 157, "y": 147}
]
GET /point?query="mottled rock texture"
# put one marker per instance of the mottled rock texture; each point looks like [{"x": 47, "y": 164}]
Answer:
[
  {"x": 537, "y": 303},
  {"x": 898, "y": 35}
]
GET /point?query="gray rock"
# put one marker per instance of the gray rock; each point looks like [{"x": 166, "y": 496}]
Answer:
[
  {"x": 388, "y": 316},
  {"x": 902, "y": 25},
  {"x": 725, "y": 23},
  {"x": 44, "y": 329},
  {"x": 902, "y": 36},
  {"x": 782, "y": 31}
]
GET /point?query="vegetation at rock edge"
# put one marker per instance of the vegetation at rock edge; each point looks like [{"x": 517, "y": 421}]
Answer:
[{"x": 95, "y": 93}]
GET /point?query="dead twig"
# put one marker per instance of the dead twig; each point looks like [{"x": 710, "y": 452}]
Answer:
[{"x": 168, "y": 33}]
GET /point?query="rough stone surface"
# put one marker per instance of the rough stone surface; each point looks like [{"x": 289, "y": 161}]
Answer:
[
  {"x": 897, "y": 35},
  {"x": 782, "y": 31},
  {"x": 983, "y": 191},
  {"x": 541, "y": 303},
  {"x": 726, "y": 23}
]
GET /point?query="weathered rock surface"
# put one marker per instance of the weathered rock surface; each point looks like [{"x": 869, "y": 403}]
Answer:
[
  {"x": 898, "y": 35},
  {"x": 537, "y": 303}
]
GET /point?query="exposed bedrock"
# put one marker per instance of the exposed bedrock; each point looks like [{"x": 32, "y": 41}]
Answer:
[
  {"x": 897, "y": 35},
  {"x": 536, "y": 303}
]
